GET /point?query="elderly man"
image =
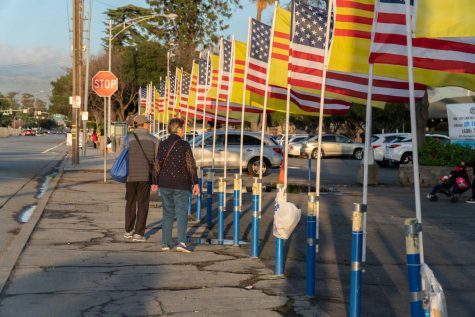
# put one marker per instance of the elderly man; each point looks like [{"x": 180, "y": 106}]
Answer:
[{"x": 142, "y": 151}]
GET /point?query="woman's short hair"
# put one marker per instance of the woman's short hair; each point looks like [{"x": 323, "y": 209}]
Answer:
[{"x": 174, "y": 124}]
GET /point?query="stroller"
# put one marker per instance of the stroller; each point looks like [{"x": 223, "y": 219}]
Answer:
[{"x": 452, "y": 185}]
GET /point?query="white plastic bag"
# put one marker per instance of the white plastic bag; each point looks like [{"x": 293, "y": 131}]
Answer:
[
  {"x": 286, "y": 217},
  {"x": 438, "y": 307}
]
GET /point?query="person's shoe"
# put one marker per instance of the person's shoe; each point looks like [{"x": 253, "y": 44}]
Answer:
[
  {"x": 165, "y": 247},
  {"x": 432, "y": 197},
  {"x": 470, "y": 201},
  {"x": 182, "y": 247},
  {"x": 139, "y": 238},
  {"x": 128, "y": 235}
]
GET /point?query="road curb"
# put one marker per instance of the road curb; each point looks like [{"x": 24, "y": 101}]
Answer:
[{"x": 14, "y": 251}]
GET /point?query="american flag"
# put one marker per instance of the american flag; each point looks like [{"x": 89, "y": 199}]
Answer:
[
  {"x": 161, "y": 93},
  {"x": 307, "y": 62},
  {"x": 142, "y": 99},
  {"x": 259, "y": 57},
  {"x": 204, "y": 81},
  {"x": 185, "y": 90},
  {"x": 227, "y": 47},
  {"x": 451, "y": 55},
  {"x": 172, "y": 89}
]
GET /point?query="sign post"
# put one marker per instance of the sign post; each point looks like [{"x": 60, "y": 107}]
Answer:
[{"x": 105, "y": 84}]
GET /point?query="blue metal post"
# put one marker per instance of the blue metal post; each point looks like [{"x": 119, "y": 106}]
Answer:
[
  {"x": 199, "y": 199},
  {"x": 256, "y": 195},
  {"x": 356, "y": 259},
  {"x": 237, "y": 209},
  {"x": 221, "y": 209},
  {"x": 311, "y": 242},
  {"x": 411, "y": 230},
  {"x": 190, "y": 203},
  {"x": 209, "y": 200},
  {"x": 279, "y": 245}
]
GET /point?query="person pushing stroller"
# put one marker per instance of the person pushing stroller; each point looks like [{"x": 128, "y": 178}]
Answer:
[{"x": 452, "y": 185}]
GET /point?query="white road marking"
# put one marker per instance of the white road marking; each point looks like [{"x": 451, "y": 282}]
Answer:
[{"x": 46, "y": 151}]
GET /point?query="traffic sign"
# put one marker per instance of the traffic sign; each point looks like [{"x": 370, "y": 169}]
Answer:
[
  {"x": 105, "y": 83},
  {"x": 75, "y": 101}
]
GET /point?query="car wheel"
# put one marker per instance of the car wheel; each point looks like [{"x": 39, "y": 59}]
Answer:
[
  {"x": 253, "y": 167},
  {"x": 406, "y": 158},
  {"x": 358, "y": 154},
  {"x": 315, "y": 154}
]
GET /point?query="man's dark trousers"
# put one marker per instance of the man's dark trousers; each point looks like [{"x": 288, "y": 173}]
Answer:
[{"x": 137, "y": 195}]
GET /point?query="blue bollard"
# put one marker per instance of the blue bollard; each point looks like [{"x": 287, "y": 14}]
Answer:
[
  {"x": 237, "y": 209},
  {"x": 279, "y": 246},
  {"x": 190, "y": 203},
  {"x": 356, "y": 259},
  {"x": 256, "y": 193},
  {"x": 221, "y": 209},
  {"x": 209, "y": 200},
  {"x": 311, "y": 243},
  {"x": 411, "y": 230},
  {"x": 199, "y": 198}
]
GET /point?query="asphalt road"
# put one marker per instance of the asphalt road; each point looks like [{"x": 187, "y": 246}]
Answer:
[{"x": 25, "y": 163}]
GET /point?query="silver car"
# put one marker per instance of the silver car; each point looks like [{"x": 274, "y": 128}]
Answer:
[
  {"x": 332, "y": 145},
  {"x": 251, "y": 151}
]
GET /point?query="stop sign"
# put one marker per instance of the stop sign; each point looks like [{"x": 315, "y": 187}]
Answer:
[{"x": 104, "y": 83}]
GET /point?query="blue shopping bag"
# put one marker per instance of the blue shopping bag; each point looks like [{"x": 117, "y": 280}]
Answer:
[{"x": 120, "y": 169}]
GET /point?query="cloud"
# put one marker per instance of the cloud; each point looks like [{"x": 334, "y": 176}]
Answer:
[{"x": 30, "y": 69}]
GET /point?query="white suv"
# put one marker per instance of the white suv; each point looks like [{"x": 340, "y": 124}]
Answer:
[
  {"x": 401, "y": 152},
  {"x": 379, "y": 142}
]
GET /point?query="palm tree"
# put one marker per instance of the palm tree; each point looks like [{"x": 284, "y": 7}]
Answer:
[{"x": 261, "y": 5}]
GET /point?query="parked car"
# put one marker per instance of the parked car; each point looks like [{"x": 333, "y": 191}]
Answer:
[
  {"x": 252, "y": 143},
  {"x": 401, "y": 152},
  {"x": 332, "y": 145},
  {"x": 29, "y": 132},
  {"x": 295, "y": 144},
  {"x": 379, "y": 142}
]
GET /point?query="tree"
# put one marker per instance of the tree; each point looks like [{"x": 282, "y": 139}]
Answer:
[
  {"x": 62, "y": 89},
  {"x": 47, "y": 124},
  {"x": 261, "y": 5}
]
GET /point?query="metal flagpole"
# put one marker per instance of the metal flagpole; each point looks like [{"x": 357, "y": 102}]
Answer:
[
  {"x": 230, "y": 90},
  {"x": 266, "y": 91},
  {"x": 204, "y": 110},
  {"x": 187, "y": 103},
  {"x": 412, "y": 108},
  {"x": 244, "y": 90},
  {"x": 175, "y": 99},
  {"x": 220, "y": 70},
  {"x": 167, "y": 91},
  {"x": 195, "y": 105}
]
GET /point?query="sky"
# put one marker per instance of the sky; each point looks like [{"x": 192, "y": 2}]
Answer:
[{"x": 35, "y": 39}]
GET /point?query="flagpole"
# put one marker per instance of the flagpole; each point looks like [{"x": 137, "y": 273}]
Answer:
[
  {"x": 204, "y": 109},
  {"x": 248, "y": 47},
  {"x": 196, "y": 105},
  {"x": 218, "y": 88},
  {"x": 320, "y": 122},
  {"x": 159, "y": 107},
  {"x": 175, "y": 100},
  {"x": 167, "y": 91},
  {"x": 230, "y": 89},
  {"x": 266, "y": 90},
  {"x": 187, "y": 103},
  {"x": 412, "y": 110}
]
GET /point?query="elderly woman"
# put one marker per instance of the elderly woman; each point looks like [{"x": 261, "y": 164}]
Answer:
[{"x": 175, "y": 175}]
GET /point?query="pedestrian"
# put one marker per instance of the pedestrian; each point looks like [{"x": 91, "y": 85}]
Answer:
[
  {"x": 142, "y": 151},
  {"x": 454, "y": 184},
  {"x": 94, "y": 138},
  {"x": 176, "y": 176}
]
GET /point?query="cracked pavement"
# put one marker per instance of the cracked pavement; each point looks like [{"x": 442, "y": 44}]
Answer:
[{"x": 78, "y": 264}]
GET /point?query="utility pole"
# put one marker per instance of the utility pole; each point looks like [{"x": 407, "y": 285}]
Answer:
[
  {"x": 86, "y": 78},
  {"x": 78, "y": 7}
]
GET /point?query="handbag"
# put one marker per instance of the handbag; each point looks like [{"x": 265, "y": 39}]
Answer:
[{"x": 120, "y": 169}]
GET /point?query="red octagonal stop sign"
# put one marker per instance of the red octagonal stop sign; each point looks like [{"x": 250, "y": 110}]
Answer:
[{"x": 105, "y": 83}]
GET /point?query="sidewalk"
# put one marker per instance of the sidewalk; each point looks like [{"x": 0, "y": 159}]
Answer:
[{"x": 77, "y": 263}]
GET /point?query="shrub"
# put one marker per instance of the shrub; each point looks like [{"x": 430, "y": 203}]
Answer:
[{"x": 434, "y": 153}]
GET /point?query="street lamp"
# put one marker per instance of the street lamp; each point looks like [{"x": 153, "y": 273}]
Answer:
[{"x": 125, "y": 25}]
